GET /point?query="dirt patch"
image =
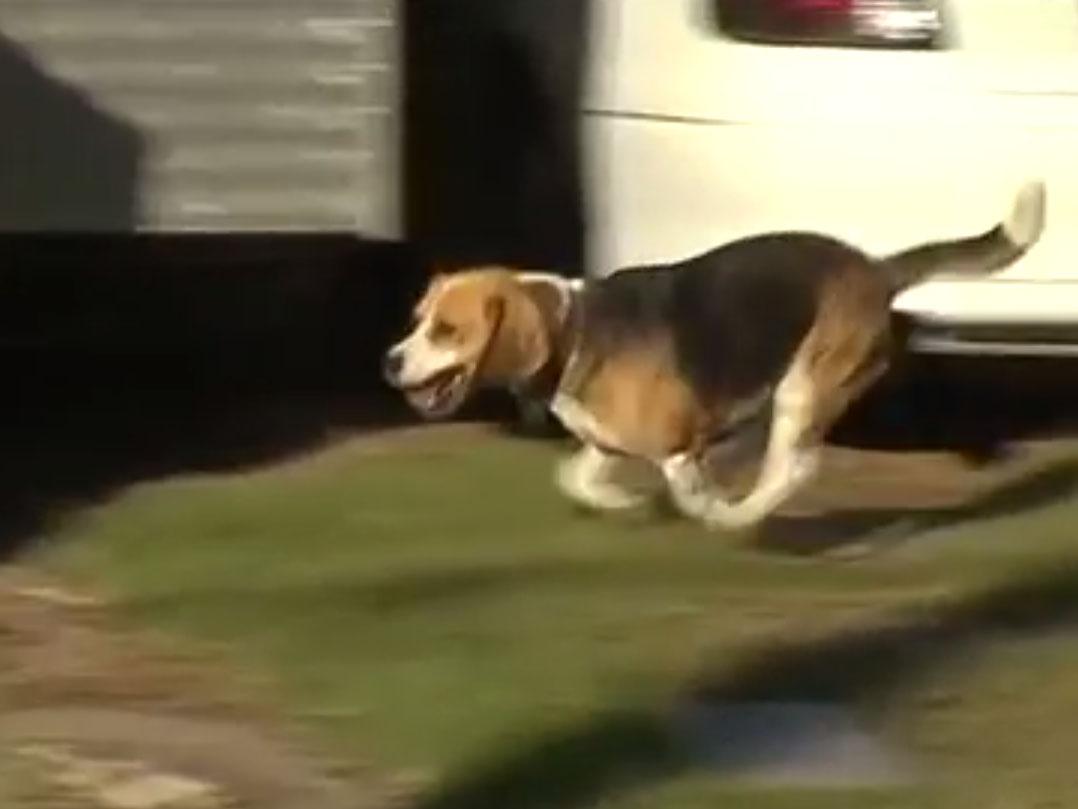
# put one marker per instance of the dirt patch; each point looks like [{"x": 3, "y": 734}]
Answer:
[
  {"x": 119, "y": 758},
  {"x": 96, "y": 716}
]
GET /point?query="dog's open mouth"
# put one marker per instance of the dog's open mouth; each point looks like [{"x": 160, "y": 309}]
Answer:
[{"x": 441, "y": 394}]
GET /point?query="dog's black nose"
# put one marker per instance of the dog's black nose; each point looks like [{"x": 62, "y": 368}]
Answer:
[{"x": 391, "y": 366}]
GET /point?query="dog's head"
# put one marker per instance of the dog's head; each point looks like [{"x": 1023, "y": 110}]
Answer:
[{"x": 487, "y": 327}]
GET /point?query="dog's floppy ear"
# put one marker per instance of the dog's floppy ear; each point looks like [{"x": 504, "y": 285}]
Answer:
[
  {"x": 438, "y": 271},
  {"x": 436, "y": 275},
  {"x": 521, "y": 341},
  {"x": 550, "y": 295}
]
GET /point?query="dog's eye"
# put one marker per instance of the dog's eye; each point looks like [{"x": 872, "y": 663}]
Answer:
[{"x": 442, "y": 330}]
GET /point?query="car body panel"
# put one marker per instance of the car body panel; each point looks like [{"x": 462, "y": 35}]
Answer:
[{"x": 694, "y": 139}]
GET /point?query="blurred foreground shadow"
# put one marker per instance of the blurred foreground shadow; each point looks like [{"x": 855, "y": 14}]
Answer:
[
  {"x": 630, "y": 750},
  {"x": 864, "y": 665}
]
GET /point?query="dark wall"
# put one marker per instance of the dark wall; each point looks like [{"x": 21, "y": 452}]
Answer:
[
  {"x": 259, "y": 311},
  {"x": 493, "y": 89}
]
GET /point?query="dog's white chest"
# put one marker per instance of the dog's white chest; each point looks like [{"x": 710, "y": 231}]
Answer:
[{"x": 578, "y": 420}]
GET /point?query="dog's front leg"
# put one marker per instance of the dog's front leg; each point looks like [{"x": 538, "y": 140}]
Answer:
[
  {"x": 791, "y": 459},
  {"x": 606, "y": 482},
  {"x": 533, "y": 413}
]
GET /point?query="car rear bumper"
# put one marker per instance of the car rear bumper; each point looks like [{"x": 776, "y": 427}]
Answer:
[{"x": 993, "y": 317}]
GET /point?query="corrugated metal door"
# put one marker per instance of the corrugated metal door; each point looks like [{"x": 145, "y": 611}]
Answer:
[{"x": 199, "y": 115}]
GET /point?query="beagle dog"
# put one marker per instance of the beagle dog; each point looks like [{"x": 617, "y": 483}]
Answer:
[{"x": 651, "y": 367}]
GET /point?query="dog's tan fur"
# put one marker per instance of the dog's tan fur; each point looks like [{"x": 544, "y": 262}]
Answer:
[
  {"x": 645, "y": 408},
  {"x": 849, "y": 347}
]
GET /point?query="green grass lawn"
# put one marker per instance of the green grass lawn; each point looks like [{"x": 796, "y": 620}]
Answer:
[{"x": 437, "y": 607}]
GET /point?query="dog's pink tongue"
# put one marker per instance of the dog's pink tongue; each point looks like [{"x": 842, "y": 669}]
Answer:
[{"x": 423, "y": 398}]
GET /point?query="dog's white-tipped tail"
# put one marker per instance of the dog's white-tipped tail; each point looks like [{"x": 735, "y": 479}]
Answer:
[
  {"x": 977, "y": 255},
  {"x": 1025, "y": 223}
]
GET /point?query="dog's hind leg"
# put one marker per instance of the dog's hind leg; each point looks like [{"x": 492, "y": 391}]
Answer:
[
  {"x": 844, "y": 353},
  {"x": 792, "y": 455},
  {"x": 801, "y": 416},
  {"x": 787, "y": 464}
]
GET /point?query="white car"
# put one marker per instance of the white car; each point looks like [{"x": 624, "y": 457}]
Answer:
[{"x": 883, "y": 122}]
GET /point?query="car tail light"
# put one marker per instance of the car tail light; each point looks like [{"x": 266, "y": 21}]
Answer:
[{"x": 858, "y": 23}]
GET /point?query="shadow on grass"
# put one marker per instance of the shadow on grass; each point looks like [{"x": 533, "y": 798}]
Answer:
[
  {"x": 433, "y": 589},
  {"x": 613, "y": 753},
  {"x": 440, "y": 586},
  {"x": 71, "y": 454},
  {"x": 127, "y": 359},
  {"x": 623, "y": 752},
  {"x": 885, "y": 527},
  {"x": 383, "y": 597}
]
